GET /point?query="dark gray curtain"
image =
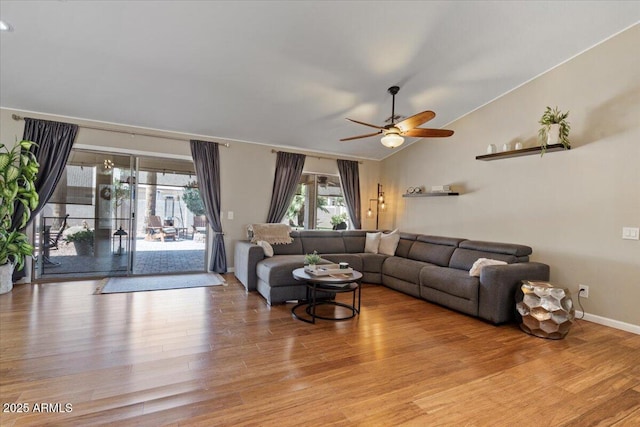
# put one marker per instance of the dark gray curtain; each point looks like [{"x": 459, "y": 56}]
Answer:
[
  {"x": 54, "y": 140},
  {"x": 350, "y": 177},
  {"x": 206, "y": 157},
  {"x": 288, "y": 172}
]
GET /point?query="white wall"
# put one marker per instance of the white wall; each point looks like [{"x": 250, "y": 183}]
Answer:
[{"x": 570, "y": 206}]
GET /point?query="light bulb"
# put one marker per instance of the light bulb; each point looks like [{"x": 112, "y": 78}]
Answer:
[
  {"x": 369, "y": 213},
  {"x": 382, "y": 206}
]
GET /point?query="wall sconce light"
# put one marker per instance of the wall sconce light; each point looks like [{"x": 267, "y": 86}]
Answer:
[{"x": 380, "y": 205}]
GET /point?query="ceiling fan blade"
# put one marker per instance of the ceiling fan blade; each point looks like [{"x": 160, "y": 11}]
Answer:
[
  {"x": 366, "y": 124},
  {"x": 415, "y": 120},
  {"x": 361, "y": 136},
  {"x": 428, "y": 133}
]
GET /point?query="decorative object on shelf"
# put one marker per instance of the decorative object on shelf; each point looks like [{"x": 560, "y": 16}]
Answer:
[
  {"x": 18, "y": 170},
  {"x": 431, "y": 194},
  {"x": 491, "y": 148},
  {"x": 414, "y": 190},
  {"x": 506, "y": 147},
  {"x": 524, "y": 152},
  {"x": 380, "y": 205},
  {"x": 555, "y": 129},
  {"x": 547, "y": 311},
  {"x": 441, "y": 189},
  {"x": 518, "y": 145}
]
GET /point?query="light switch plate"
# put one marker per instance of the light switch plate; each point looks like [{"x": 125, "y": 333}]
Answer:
[
  {"x": 230, "y": 215},
  {"x": 631, "y": 233}
]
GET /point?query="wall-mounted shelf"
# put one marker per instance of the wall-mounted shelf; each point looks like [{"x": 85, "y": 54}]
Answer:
[
  {"x": 430, "y": 194},
  {"x": 522, "y": 152}
]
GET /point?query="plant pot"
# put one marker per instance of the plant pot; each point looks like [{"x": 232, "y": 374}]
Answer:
[
  {"x": 553, "y": 135},
  {"x": 83, "y": 248},
  {"x": 6, "y": 279}
]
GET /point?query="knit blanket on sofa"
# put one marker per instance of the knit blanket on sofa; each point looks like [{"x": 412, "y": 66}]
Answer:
[{"x": 275, "y": 234}]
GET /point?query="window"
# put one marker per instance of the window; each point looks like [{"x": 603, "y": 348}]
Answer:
[{"x": 318, "y": 204}]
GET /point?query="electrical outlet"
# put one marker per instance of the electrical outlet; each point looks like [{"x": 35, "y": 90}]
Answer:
[{"x": 583, "y": 291}]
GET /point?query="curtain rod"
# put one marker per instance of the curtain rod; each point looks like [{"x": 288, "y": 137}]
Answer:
[
  {"x": 224, "y": 144},
  {"x": 317, "y": 157}
]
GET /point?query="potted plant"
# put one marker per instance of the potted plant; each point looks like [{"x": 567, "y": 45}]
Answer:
[
  {"x": 18, "y": 170},
  {"x": 555, "y": 129},
  {"x": 339, "y": 222},
  {"x": 82, "y": 238},
  {"x": 312, "y": 260}
]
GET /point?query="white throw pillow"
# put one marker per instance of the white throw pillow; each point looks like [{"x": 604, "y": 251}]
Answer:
[
  {"x": 372, "y": 242},
  {"x": 266, "y": 247},
  {"x": 389, "y": 243},
  {"x": 476, "y": 268}
]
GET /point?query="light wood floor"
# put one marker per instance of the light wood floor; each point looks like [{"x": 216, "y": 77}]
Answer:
[{"x": 218, "y": 356}]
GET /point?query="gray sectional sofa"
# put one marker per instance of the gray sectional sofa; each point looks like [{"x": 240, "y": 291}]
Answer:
[{"x": 432, "y": 268}]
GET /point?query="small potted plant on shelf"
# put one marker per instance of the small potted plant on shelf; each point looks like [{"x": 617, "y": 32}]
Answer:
[
  {"x": 82, "y": 238},
  {"x": 555, "y": 129},
  {"x": 312, "y": 260},
  {"x": 18, "y": 170}
]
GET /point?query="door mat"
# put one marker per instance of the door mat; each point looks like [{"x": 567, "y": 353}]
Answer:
[{"x": 113, "y": 285}]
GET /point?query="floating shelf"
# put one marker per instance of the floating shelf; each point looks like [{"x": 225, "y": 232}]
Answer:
[
  {"x": 522, "y": 152},
  {"x": 430, "y": 194}
]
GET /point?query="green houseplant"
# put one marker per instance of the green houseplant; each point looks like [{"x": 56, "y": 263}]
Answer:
[
  {"x": 339, "y": 222},
  {"x": 555, "y": 128},
  {"x": 18, "y": 170},
  {"x": 312, "y": 259},
  {"x": 82, "y": 238}
]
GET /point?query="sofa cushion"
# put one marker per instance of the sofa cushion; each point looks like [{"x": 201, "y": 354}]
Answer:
[
  {"x": 450, "y": 281},
  {"x": 278, "y": 270},
  {"x": 372, "y": 263},
  {"x": 463, "y": 259},
  {"x": 440, "y": 240},
  {"x": 354, "y": 241},
  {"x": 293, "y": 248},
  {"x": 354, "y": 260},
  {"x": 324, "y": 242},
  {"x": 372, "y": 242},
  {"x": 389, "y": 243},
  {"x": 495, "y": 247},
  {"x": 431, "y": 253},
  {"x": 404, "y": 269},
  {"x": 266, "y": 247},
  {"x": 404, "y": 245}
]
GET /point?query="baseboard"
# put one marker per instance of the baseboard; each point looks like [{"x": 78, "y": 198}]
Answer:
[
  {"x": 628, "y": 327},
  {"x": 231, "y": 270}
]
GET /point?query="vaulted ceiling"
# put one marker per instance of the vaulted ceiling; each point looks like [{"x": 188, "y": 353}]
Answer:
[{"x": 282, "y": 72}]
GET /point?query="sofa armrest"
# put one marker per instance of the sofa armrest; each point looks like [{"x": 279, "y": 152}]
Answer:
[
  {"x": 498, "y": 285},
  {"x": 246, "y": 258}
]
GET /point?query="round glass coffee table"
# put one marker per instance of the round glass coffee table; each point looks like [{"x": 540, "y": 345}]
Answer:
[{"x": 339, "y": 283}]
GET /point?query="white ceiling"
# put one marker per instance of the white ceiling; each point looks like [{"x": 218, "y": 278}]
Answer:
[{"x": 286, "y": 73}]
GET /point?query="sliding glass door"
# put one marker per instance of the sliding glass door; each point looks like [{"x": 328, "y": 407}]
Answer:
[
  {"x": 170, "y": 236},
  {"x": 115, "y": 214},
  {"x": 83, "y": 230}
]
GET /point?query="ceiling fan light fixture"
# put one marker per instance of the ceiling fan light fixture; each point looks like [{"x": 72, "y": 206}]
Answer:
[{"x": 392, "y": 140}]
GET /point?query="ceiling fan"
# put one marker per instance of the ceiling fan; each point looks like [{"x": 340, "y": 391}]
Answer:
[{"x": 394, "y": 132}]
